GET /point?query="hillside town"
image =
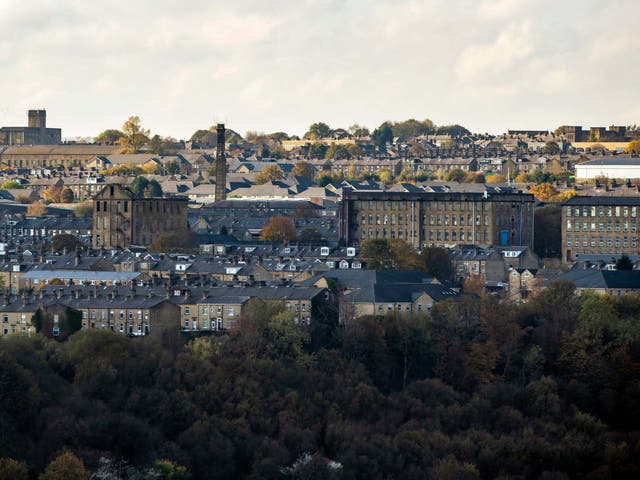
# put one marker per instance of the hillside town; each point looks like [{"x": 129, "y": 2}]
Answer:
[{"x": 138, "y": 234}]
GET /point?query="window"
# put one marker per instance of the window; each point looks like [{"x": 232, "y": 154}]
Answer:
[
  {"x": 186, "y": 310},
  {"x": 230, "y": 311},
  {"x": 5, "y": 319}
]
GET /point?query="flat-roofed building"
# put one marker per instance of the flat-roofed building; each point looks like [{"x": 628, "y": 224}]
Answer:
[
  {"x": 600, "y": 226},
  {"x": 622, "y": 168}
]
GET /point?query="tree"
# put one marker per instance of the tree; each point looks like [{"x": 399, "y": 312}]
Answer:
[
  {"x": 495, "y": 178},
  {"x": 317, "y": 150},
  {"x": 153, "y": 189},
  {"x": 108, "y": 137},
  {"x": 37, "y": 209},
  {"x": 172, "y": 167},
  {"x": 65, "y": 241},
  {"x": 633, "y": 148},
  {"x": 204, "y": 138},
  {"x": 181, "y": 240},
  {"x": 270, "y": 173},
  {"x": 11, "y": 469},
  {"x": 10, "y": 185},
  {"x": 303, "y": 169},
  {"x": 411, "y": 128},
  {"x": 65, "y": 466},
  {"x": 624, "y": 263},
  {"x": 523, "y": 178},
  {"x": 310, "y": 235},
  {"x": 453, "y": 130},
  {"x": 66, "y": 196},
  {"x": 168, "y": 470},
  {"x": 547, "y": 233},
  {"x": 377, "y": 254},
  {"x": 358, "y": 131},
  {"x": 52, "y": 194},
  {"x": 317, "y": 131},
  {"x": 455, "y": 175},
  {"x": 551, "y": 148},
  {"x": 544, "y": 191},
  {"x": 382, "y": 135},
  {"x": 278, "y": 229},
  {"x": 134, "y": 137},
  {"x": 437, "y": 262},
  {"x": 337, "y": 152},
  {"x": 385, "y": 175}
]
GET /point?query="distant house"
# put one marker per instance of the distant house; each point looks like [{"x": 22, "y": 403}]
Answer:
[{"x": 613, "y": 282}]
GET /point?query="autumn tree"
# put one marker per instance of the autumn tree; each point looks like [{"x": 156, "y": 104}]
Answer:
[
  {"x": 633, "y": 148},
  {"x": 303, "y": 169},
  {"x": 65, "y": 466},
  {"x": 180, "y": 240},
  {"x": 337, "y": 152},
  {"x": 134, "y": 137},
  {"x": 52, "y": 194},
  {"x": 65, "y": 241},
  {"x": 385, "y": 175},
  {"x": 10, "y": 185},
  {"x": 270, "y": 173},
  {"x": 11, "y": 469},
  {"x": 109, "y": 137},
  {"x": 455, "y": 175},
  {"x": 278, "y": 229},
  {"x": 66, "y": 196},
  {"x": 37, "y": 209},
  {"x": 495, "y": 178},
  {"x": 544, "y": 191},
  {"x": 437, "y": 262}
]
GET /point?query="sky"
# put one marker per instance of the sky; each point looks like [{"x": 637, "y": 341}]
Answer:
[{"x": 280, "y": 65}]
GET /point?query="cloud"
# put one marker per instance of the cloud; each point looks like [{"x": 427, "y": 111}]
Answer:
[
  {"x": 511, "y": 47},
  {"x": 499, "y": 9},
  {"x": 281, "y": 65}
]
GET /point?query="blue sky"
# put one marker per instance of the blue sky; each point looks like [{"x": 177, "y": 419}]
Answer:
[{"x": 282, "y": 65}]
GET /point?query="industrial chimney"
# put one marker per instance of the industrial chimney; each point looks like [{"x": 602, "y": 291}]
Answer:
[{"x": 221, "y": 166}]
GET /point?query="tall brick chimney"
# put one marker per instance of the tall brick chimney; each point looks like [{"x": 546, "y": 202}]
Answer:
[{"x": 221, "y": 166}]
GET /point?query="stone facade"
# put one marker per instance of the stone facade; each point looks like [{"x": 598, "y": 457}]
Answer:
[
  {"x": 442, "y": 219},
  {"x": 121, "y": 219},
  {"x": 36, "y": 133},
  {"x": 605, "y": 226}
]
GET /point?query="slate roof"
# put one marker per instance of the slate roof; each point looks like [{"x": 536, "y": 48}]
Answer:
[
  {"x": 612, "y": 161},
  {"x": 602, "y": 200},
  {"x": 603, "y": 279}
]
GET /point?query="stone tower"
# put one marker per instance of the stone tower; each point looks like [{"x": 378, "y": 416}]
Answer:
[
  {"x": 221, "y": 166},
  {"x": 37, "y": 118}
]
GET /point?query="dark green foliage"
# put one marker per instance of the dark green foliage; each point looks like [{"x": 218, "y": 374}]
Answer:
[
  {"x": 624, "y": 263},
  {"x": 479, "y": 390},
  {"x": 146, "y": 188},
  {"x": 547, "y": 234}
]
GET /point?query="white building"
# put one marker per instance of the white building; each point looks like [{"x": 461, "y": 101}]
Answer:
[{"x": 621, "y": 168}]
